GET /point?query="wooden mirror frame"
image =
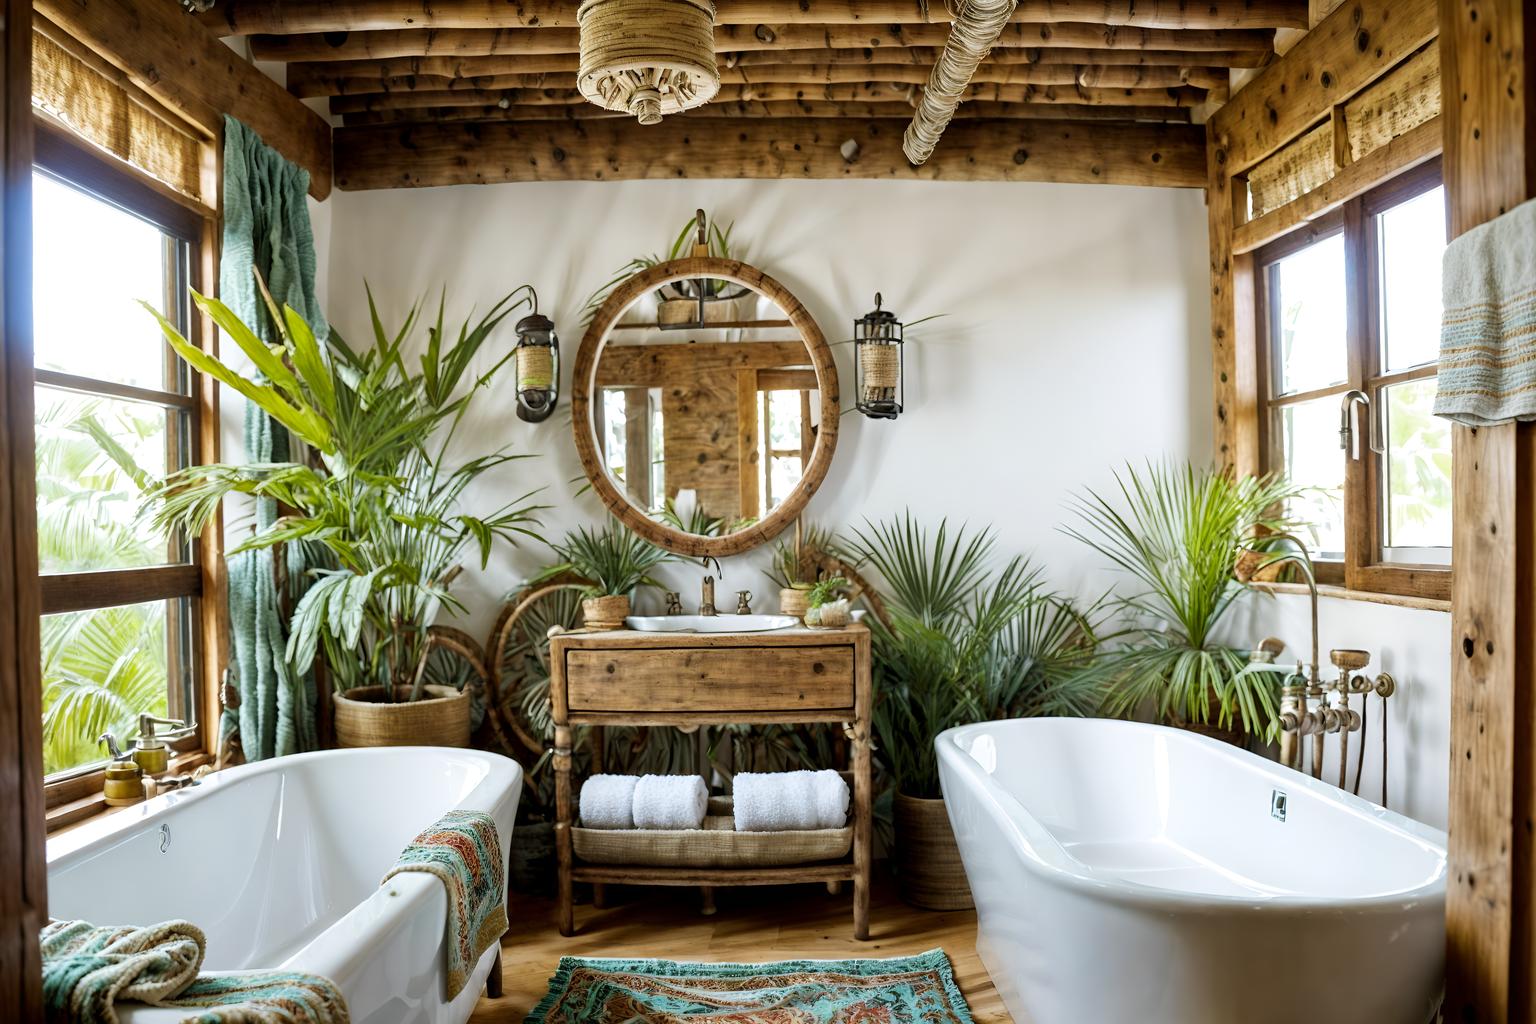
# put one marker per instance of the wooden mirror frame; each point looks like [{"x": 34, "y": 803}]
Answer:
[{"x": 584, "y": 381}]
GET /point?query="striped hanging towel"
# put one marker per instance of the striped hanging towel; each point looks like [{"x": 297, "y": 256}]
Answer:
[
  {"x": 88, "y": 970},
  {"x": 463, "y": 850},
  {"x": 1488, "y": 330}
]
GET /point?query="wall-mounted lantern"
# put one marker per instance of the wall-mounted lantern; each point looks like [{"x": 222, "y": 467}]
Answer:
[
  {"x": 538, "y": 366},
  {"x": 877, "y": 363}
]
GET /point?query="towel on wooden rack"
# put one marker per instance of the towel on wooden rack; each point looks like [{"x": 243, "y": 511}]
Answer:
[
  {"x": 790, "y": 801},
  {"x": 607, "y": 801},
  {"x": 670, "y": 801}
]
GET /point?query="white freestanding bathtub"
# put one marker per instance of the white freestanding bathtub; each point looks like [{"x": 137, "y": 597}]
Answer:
[
  {"x": 1133, "y": 873},
  {"x": 279, "y": 863}
]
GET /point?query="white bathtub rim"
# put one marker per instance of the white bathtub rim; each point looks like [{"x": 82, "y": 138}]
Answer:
[
  {"x": 105, "y": 828},
  {"x": 1041, "y": 854}
]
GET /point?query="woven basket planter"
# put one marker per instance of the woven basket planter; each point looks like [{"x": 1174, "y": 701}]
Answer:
[
  {"x": 716, "y": 311},
  {"x": 364, "y": 719},
  {"x": 794, "y": 602},
  {"x": 929, "y": 872},
  {"x": 716, "y": 845},
  {"x": 605, "y": 612}
]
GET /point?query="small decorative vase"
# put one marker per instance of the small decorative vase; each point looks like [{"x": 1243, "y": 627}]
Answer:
[
  {"x": 793, "y": 601},
  {"x": 363, "y": 718},
  {"x": 605, "y": 612},
  {"x": 929, "y": 871}
]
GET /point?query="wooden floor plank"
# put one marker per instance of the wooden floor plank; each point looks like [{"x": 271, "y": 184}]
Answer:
[{"x": 753, "y": 925}]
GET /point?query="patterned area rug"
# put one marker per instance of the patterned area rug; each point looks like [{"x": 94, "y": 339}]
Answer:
[{"x": 902, "y": 990}]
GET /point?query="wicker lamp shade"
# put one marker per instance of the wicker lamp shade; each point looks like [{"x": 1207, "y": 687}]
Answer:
[{"x": 648, "y": 58}]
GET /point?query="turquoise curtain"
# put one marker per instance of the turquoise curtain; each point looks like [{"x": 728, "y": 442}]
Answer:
[{"x": 266, "y": 232}]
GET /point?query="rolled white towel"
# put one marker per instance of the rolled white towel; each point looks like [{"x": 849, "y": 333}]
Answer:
[
  {"x": 670, "y": 801},
  {"x": 789, "y": 801},
  {"x": 607, "y": 801}
]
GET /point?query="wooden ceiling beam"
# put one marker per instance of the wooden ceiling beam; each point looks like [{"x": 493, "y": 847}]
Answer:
[
  {"x": 896, "y": 108},
  {"x": 1101, "y": 76},
  {"x": 288, "y": 17},
  {"x": 770, "y": 91},
  {"x": 458, "y": 153},
  {"x": 337, "y": 78},
  {"x": 502, "y": 42}
]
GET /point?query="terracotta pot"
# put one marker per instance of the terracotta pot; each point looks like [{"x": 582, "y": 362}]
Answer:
[
  {"x": 364, "y": 719},
  {"x": 605, "y": 612},
  {"x": 929, "y": 872},
  {"x": 794, "y": 602}
]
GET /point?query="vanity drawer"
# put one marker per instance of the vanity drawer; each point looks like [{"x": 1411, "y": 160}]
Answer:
[{"x": 710, "y": 679}]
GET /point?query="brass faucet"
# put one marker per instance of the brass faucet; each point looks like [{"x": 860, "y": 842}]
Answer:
[
  {"x": 707, "y": 603},
  {"x": 1296, "y": 721}
]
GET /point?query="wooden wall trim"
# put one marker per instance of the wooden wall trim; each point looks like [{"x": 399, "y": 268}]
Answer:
[
  {"x": 177, "y": 60},
  {"x": 1488, "y": 73},
  {"x": 24, "y": 881},
  {"x": 1347, "y": 51},
  {"x": 461, "y": 153}
]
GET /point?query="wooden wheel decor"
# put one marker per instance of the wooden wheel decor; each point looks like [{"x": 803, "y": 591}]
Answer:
[
  {"x": 520, "y": 633},
  {"x": 817, "y": 386}
]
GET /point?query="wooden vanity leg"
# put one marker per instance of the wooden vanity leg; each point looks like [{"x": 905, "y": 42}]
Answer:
[
  {"x": 599, "y": 739},
  {"x": 563, "y": 818}
]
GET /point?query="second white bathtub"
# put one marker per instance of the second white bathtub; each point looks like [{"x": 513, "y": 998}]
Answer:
[{"x": 1132, "y": 873}]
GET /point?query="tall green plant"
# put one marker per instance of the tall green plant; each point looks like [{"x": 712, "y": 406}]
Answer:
[
  {"x": 1178, "y": 531},
  {"x": 612, "y": 560},
  {"x": 380, "y": 498},
  {"x": 963, "y": 644}
]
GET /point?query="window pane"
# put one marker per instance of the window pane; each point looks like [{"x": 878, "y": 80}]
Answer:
[
  {"x": 1307, "y": 317},
  {"x": 101, "y": 668},
  {"x": 93, "y": 263},
  {"x": 1416, "y": 485},
  {"x": 1309, "y": 446},
  {"x": 784, "y": 421},
  {"x": 615, "y": 425},
  {"x": 94, "y": 455},
  {"x": 1412, "y": 239},
  {"x": 784, "y": 475}
]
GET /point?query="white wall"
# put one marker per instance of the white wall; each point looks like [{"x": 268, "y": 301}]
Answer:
[{"x": 1077, "y": 339}]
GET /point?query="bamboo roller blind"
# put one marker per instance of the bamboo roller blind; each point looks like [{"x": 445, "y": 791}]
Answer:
[{"x": 109, "y": 115}]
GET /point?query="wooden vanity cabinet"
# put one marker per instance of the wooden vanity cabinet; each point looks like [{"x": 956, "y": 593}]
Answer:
[{"x": 689, "y": 680}]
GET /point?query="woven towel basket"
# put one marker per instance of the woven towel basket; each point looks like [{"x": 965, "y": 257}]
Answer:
[
  {"x": 716, "y": 845},
  {"x": 648, "y": 58}
]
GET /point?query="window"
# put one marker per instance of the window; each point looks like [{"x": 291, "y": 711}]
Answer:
[
  {"x": 114, "y": 408},
  {"x": 1349, "y": 306}
]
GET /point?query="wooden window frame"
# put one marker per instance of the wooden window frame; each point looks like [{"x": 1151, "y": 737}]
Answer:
[
  {"x": 72, "y": 795},
  {"x": 1362, "y": 568}
]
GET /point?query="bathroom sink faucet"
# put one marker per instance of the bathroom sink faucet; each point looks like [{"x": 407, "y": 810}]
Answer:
[
  {"x": 707, "y": 601},
  {"x": 1296, "y": 721}
]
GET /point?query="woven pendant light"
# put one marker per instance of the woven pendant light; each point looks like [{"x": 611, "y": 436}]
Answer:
[{"x": 647, "y": 57}]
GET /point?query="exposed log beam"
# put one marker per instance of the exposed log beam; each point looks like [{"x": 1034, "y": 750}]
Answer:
[
  {"x": 389, "y": 156},
  {"x": 772, "y": 108},
  {"x": 487, "y": 43},
  {"x": 335, "y": 78},
  {"x": 183, "y": 65},
  {"x": 778, "y": 91},
  {"x": 286, "y": 17},
  {"x": 1102, "y": 76}
]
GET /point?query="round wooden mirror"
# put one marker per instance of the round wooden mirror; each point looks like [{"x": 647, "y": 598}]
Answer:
[{"x": 705, "y": 406}]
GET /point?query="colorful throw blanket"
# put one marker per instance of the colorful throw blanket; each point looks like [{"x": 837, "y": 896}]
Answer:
[
  {"x": 463, "y": 849},
  {"x": 88, "y": 969},
  {"x": 901, "y": 990},
  {"x": 1488, "y": 328}
]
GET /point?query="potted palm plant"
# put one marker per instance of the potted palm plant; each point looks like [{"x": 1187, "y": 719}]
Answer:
[
  {"x": 678, "y": 302},
  {"x": 1180, "y": 532},
  {"x": 378, "y": 506},
  {"x": 963, "y": 644},
  {"x": 613, "y": 562}
]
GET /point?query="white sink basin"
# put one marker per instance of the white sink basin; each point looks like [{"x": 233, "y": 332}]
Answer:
[{"x": 709, "y": 623}]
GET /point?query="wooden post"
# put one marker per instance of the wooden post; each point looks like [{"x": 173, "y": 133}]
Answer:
[
  {"x": 1489, "y": 122},
  {"x": 24, "y": 880}
]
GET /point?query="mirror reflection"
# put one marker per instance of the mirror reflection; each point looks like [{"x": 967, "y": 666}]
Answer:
[{"x": 707, "y": 425}]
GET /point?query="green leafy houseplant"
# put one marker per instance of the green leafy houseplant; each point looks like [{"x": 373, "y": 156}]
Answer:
[
  {"x": 718, "y": 243},
  {"x": 1179, "y": 532},
  {"x": 380, "y": 500},
  {"x": 612, "y": 562}
]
